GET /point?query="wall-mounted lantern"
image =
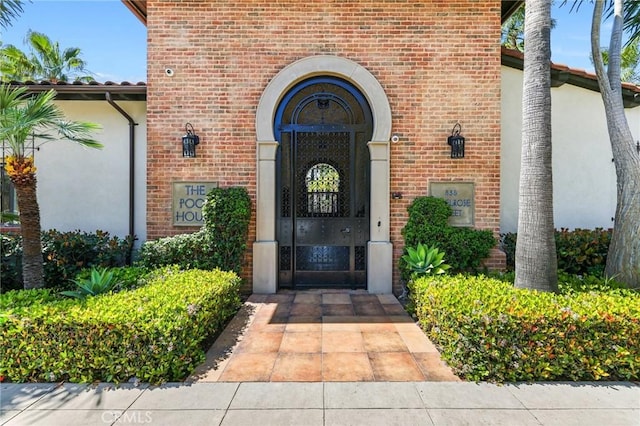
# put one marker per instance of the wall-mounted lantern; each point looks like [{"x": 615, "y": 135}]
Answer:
[
  {"x": 189, "y": 141},
  {"x": 456, "y": 141}
]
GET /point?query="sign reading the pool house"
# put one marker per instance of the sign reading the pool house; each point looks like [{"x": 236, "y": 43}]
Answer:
[
  {"x": 460, "y": 196},
  {"x": 188, "y": 199}
]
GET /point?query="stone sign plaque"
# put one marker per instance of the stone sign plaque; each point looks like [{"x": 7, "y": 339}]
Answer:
[
  {"x": 188, "y": 199},
  {"x": 460, "y": 196}
]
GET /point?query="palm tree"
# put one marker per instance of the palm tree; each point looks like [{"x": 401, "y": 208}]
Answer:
[
  {"x": 21, "y": 117},
  {"x": 623, "y": 258},
  {"x": 629, "y": 61},
  {"x": 513, "y": 30},
  {"x": 536, "y": 262},
  {"x": 46, "y": 61},
  {"x": 512, "y": 34},
  {"x": 15, "y": 65},
  {"x": 9, "y": 10}
]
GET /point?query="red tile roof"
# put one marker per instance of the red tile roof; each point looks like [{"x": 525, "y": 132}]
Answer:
[
  {"x": 561, "y": 74},
  {"x": 87, "y": 91}
]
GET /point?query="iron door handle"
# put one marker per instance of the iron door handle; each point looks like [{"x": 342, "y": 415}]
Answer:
[{"x": 346, "y": 230}]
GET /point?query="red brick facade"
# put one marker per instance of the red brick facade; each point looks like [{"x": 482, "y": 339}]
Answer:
[{"x": 438, "y": 62}]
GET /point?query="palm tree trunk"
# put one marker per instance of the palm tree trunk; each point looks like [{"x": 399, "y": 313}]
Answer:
[
  {"x": 32, "y": 262},
  {"x": 536, "y": 261},
  {"x": 623, "y": 259}
]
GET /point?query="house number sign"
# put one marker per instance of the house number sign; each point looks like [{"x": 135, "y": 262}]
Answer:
[
  {"x": 460, "y": 196},
  {"x": 188, "y": 199}
]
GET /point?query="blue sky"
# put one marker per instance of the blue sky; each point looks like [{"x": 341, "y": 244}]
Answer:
[{"x": 113, "y": 40}]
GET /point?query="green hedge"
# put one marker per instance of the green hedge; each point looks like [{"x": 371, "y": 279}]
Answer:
[
  {"x": 64, "y": 255},
  {"x": 154, "y": 333},
  {"x": 488, "y": 330},
  {"x": 220, "y": 243},
  {"x": 464, "y": 248},
  {"x": 580, "y": 251}
]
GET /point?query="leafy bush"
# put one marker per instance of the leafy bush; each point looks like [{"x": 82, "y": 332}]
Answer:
[
  {"x": 64, "y": 254},
  {"x": 508, "y": 246},
  {"x": 220, "y": 243},
  {"x": 188, "y": 251},
  {"x": 488, "y": 330},
  {"x": 154, "y": 333},
  {"x": 11, "y": 265},
  {"x": 67, "y": 253},
  {"x": 428, "y": 224},
  {"x": 581, "y": 251},
  {"x": 227, "y": 213}
]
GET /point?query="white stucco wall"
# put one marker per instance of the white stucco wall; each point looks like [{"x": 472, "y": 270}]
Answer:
[
  {"x": 88, "y": 189},
  {"x": 584, "y": 179}
]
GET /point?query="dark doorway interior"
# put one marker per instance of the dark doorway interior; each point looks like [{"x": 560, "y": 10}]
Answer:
[{"x": 323, "y": 126}]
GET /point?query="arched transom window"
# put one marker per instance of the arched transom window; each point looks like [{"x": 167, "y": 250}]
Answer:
[{"x": 323, "y": 189}]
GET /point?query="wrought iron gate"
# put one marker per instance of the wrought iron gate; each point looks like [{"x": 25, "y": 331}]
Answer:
[{"x": 323, "y": 126}]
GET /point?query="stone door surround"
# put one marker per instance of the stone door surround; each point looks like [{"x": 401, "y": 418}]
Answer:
[{"x": 379, "y": 248}]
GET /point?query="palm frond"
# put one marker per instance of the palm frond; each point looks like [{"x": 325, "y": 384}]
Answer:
[
  {"x": 79, "y": 132},
  {"x": 9, "y": 10},
  {"x": 22, "y": 117}
]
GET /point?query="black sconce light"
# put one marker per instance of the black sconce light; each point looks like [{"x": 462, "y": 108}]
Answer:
[
  {"x": 189, "y": 142},
  {"x": 456, "y": 141}
]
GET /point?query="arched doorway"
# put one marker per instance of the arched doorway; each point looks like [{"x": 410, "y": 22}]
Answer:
[
  {"x": 322, "y": 126},
  {"x": 379, "y": 253}
]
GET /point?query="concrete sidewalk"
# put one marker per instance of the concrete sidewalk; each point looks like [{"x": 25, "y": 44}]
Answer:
[{"x": 329, "y": 403}]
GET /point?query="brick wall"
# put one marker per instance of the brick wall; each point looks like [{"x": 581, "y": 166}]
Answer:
[{"x": 438, "y": 62}]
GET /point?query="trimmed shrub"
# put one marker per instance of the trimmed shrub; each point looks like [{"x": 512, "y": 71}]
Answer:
[
  {"x": 568, "y": 283},
  {"x": 464, "y": 248},
  {"x": 581, "y": 251},
  {"x": 64, "y": 254},
  {"x": 188, "y": 251},
  {"x": 154, "y": 333},
  {"x": 220, "y": 243},
  {"x": 227, "y": 213},
  {"x": 488, "y": 330}
]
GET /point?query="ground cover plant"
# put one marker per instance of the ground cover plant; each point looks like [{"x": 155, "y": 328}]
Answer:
[
  {"x": 487, "y": 330},
  {"x": 154, "y": 333}
]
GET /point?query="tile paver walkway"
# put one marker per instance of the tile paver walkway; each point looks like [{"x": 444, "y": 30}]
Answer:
[{"x": 323, "y": 336}]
